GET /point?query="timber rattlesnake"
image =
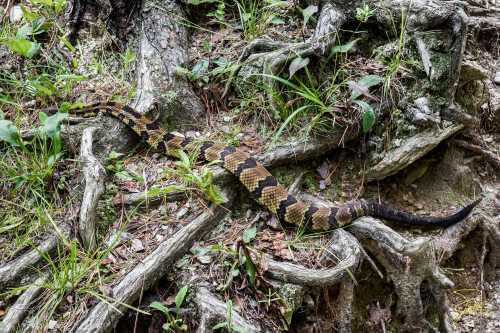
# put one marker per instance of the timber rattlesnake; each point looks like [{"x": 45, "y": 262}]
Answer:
[{"x": 259, "y": 182}]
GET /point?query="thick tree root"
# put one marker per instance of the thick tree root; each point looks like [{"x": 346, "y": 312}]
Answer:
[
  {"x": 212, "y": 310},
  {"x": 410, "y": 262},
  {"x": 343, "y": 246},
  {"x": 94, "y": 174},
  {"x": 105, "y": 315}
]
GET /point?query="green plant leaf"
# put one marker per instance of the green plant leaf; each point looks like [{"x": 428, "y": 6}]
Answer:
[
  {"x": 366, "y": 82},
  {"x": 199, "y": 68},
  {"x": 344, "y": 48},
  {"x": 249, "y": 234},
  {"x": 180, "y": 297},
  {"x": 224, "y": 324},
  {"x": 159, "y": 306},
  {"x": 9, "y": 133},
  {"x": 296, "y": 65},
  {"x": 308, "y": 12},
  {"x": 368, "y": 118},
  {"x": 23, "y": 47},
  {"x": 24, "y": 31},
  {"x": 250, "y": 267},
  {"x": 51, "y": 126}
]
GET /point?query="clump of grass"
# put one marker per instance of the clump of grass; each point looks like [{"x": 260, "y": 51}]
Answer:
[
  {"x": 26, "y": 176},
  {"x": 198, "y": 180}
]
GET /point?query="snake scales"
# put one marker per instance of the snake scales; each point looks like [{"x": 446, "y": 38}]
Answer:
[{"x": 259, "y": 182}]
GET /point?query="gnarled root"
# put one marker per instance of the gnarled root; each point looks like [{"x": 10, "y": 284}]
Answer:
[{"x": 94, "y": 174}]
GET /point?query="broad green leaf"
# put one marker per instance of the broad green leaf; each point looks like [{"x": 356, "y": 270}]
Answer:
[
  {"x": 180, "y": 297},
  {"x": 249, "y": 234},
  {"x": 24, "y": 31},
  {"x": 2, "y": 115},
  {"x": 250, "y": 268},
  {"x": 199, "y": 68},
  {"x": 159, "y": 306},
  {"x": 23, "y": 47},
  {"x": 296, "y": 65},
  {"x": 51, "y": 126},
  {"x": 9, "y": 133},
  {"x": 344, "y": 48},
  {"x": 275, "y": 20},
  {"x": 368, "y": 118},
  {"x": 308, "y": 12}
]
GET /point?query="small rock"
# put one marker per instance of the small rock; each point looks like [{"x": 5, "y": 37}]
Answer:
[
  {"x": 496, "y": 79},
  {"x": 16, "y": 14}
]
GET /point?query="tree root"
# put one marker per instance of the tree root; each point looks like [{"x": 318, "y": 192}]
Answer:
[
  {"x": 489, "y": 156},
  {"x": 94, "y": 174},
  {"x": 19, "y": 310},
  {"x": 343, "y": 246},
  {"x": 105, "y": 315},
  {"x": 17, "y": 270},
  {"x": 410, "y": 262},
  {"x": 212, "y": 310}
]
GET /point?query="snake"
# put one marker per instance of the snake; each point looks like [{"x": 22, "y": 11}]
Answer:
[{"x": 261, "y": 184}]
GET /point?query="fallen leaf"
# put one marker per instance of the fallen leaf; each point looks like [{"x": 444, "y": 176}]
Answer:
[{"x": 137, "y": 245}]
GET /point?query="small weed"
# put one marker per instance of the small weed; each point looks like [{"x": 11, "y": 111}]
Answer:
[
  {"x": 173, "y": 321},
  {"x": 396, "y": 60},
  {"x": 228, "y": 324},
  {"x": 201, "y": 180}
]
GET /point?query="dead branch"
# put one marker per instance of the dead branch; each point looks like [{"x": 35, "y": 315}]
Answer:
[
  {"x": 94, "y": 174},
  {"x": 104, "y": 316},
  {"x": 19, "y": 310},
  {"x": 212, "y": 310}
]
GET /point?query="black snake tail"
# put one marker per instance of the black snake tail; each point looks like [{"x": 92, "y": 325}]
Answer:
[{"x": 385, "y": 212}]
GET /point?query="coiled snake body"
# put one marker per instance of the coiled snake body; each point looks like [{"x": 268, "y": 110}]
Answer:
[{"x": 259, "y": 182}]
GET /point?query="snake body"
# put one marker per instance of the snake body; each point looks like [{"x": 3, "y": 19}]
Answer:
[{"x": 261, "y": 184}]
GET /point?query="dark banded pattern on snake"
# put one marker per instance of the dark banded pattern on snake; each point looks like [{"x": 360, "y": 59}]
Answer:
[{"x": 261, "y": 184}]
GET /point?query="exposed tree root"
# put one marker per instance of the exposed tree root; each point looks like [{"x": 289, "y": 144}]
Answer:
[
  {"x": 343, "y": 246},
  {"x": 104, "y": 316},
  {"x": 19, "y": 310},
  {"x": 489, "y": 156},
  {"x": 212, "y": 310},
  {"x": 94, "y": 174},
  {"x": 18, "y": 270}
]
